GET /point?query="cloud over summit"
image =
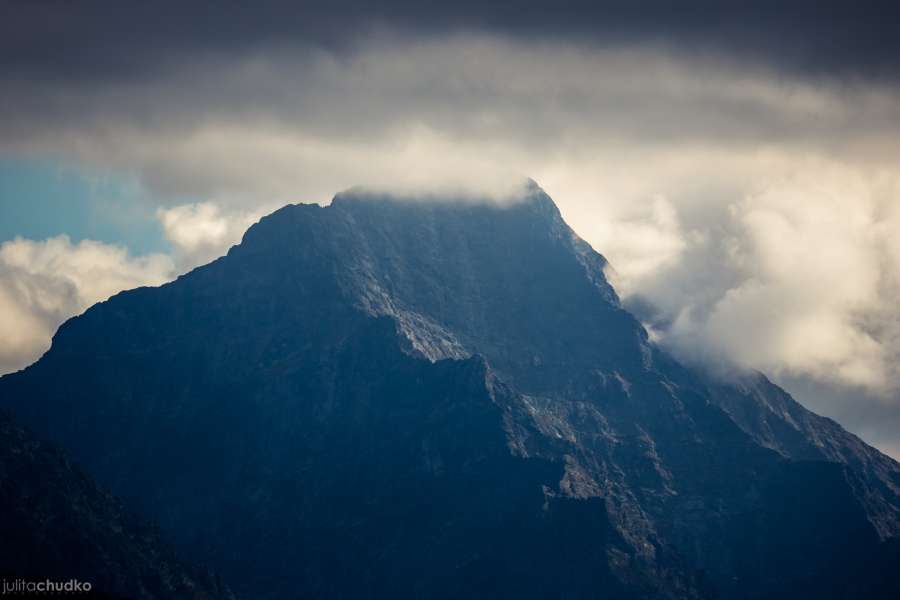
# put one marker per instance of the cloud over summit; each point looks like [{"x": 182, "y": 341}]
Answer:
[{"x": 736, "y": 165}]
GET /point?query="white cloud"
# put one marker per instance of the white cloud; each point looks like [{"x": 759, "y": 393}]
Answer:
[
  {"x": 814, "y": 281},
  {"x": 646, "y": 239},
  {"x": 203, "y": 231},
  {"x": 42, "y": 283}
]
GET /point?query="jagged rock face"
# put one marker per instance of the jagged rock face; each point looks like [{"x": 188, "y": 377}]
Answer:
[
  {"x": 56, "y": 523},
  {"x": 387, "y": 398}
]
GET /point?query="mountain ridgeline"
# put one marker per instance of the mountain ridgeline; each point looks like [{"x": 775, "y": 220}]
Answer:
[{"x": 393, "y": 399}]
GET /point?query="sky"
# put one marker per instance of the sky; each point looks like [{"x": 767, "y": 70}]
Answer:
[{"x": 738, "y": 165}]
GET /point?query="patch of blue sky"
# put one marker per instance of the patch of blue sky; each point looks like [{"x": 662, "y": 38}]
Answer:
[{"x": 45, "y": 198}]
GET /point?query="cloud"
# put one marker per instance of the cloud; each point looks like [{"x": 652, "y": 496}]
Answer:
[
  {"x": 42, "y": 283},
  {"x": 812, "y": 279},
  {"x": 285, "y": 125},
  {"x": 644, "y": 241},
  {"x": 748, "y": 210},
  {"x": 201, "y": 232},
  {"x": 37, "y": 38}
]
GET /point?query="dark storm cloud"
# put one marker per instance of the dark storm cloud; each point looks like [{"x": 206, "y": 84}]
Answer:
[{"x": 89, "y": 39}]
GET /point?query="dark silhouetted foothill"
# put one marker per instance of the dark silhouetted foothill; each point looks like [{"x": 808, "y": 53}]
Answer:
[{"x": 58, "y": 526}]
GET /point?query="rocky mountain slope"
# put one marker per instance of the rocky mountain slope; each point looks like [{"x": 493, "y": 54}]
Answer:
[{"x": 383, "y": 398}]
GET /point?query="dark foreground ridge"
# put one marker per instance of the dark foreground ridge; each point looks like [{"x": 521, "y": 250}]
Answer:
[
  {"x": 56, "y": 524},
  {"x": 390, "y": 399}
]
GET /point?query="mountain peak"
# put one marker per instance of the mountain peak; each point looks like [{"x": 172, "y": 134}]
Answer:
[
  {"x": 461, "y": 276},
  {"x": 381, "y": 377},
  {"x": 527, "y": 204}
]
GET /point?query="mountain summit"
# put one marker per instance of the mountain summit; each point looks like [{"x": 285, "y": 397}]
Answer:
[{"x": 385, "y": 398}]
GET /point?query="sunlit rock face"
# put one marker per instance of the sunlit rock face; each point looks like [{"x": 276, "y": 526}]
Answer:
[{"x": 390, "y": 398}]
